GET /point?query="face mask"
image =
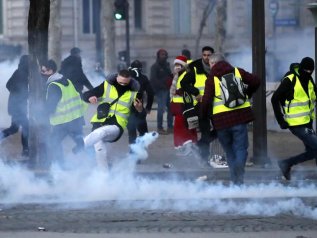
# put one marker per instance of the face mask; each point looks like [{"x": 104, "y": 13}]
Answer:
[
  {"x": 304, "y": 73},
  {"x": 123, "y": 84}
]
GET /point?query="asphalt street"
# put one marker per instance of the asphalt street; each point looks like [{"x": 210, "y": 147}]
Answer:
[{"x": 211, "y": 216}]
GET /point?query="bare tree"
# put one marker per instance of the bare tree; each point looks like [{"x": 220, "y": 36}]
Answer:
[
  {"x": 55, "y": 32},
  {"x": 108, "y": 35},
  {"x": 220, "y": 25},
  {"x": 207, "y": 10},
  {"x": 38, "y": 21}
]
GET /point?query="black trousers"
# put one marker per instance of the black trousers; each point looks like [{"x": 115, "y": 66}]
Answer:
[
  {"x": 58, "y": 133},
  {"x": 17, "y": 122},
  {"x": 136, "y": 122}
]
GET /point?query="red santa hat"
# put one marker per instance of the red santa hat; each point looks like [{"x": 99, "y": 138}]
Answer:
[{"x": 182, "y": 60}]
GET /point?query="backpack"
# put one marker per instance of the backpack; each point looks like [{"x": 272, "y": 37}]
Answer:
[{"x": 233, "y": 90}]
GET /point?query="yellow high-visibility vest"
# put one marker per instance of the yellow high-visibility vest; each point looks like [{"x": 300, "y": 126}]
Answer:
[
  {"x": 218, "y": 101},
  {"x": 120, "y": 109},
  {"x": 177, "y": 98},
  {"x": 70, "y": 107},
  {"x": 300, "y": 110}
]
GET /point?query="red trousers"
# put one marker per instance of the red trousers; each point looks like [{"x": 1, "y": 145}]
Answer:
[{"x": 181, "y": 133}]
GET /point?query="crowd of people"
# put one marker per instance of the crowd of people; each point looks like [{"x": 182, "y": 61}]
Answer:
[{"x": 203, "y": 99}]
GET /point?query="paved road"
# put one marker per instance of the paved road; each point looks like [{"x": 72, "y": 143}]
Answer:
[
  {"x": 125, "y": 217},
  {"x": 139, "y": 218}
]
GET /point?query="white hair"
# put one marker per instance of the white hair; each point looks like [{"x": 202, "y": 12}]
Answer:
[{"x": 216, "y": 57}]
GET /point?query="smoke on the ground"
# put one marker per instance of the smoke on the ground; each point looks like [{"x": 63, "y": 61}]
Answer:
[{"x": 86, "y": 184}]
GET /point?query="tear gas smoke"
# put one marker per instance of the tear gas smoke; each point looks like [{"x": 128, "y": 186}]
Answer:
[{"x": 120, "y": 184}]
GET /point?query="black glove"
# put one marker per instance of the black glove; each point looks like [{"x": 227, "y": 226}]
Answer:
[{"x": 283, "y": 125}]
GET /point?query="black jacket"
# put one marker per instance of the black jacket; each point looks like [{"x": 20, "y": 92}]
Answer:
[
  {"x": 189, "y": 79},
  {"x": 159, "y": 76},
  {"x": 145, "y": 88},
  {"x": 99, "y": 91},
  {"x": 285, "y": 91},
  {"x": 18, "y": 86},
  {"x": 71, "y": 68}
]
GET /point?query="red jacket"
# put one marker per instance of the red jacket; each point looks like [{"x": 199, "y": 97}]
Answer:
[{"x": 231, "y": 118}]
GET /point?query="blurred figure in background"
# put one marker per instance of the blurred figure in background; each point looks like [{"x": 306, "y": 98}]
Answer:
[
  {"x": 194, "y": 83},
  {"x": 183, "y": 137},
  {"x": 159, "y": 78},
  {"x": 72, "y": 69},
  {"x": 18, "y": 86},
  {"x": 187, "y": 54},
  {"x": 137, "y": 121}
]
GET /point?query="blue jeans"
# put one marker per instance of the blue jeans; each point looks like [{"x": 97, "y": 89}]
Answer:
[
  {"x": 234, "y": 141},
  {"x": 163, "y": 104},
  {"x": 309, "y": 138}
]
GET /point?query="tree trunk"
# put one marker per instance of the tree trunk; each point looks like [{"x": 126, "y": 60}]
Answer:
[
  {"x": 206, "y": 13},
  {"x": 55, "y": 32},
  {"x": 109, "y": 36},
  {"x": 38, "y": 21},
  {"x": 221, "y": 20}
]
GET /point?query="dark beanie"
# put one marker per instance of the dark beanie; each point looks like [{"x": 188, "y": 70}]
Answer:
[
  {"x": 307, "y": 63},
  {"x": 159, "y": 51}
]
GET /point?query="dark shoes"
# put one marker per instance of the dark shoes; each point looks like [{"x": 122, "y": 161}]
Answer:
[
  {"x": 162, "y": 131},
  {"x": 285, "y": 169}
]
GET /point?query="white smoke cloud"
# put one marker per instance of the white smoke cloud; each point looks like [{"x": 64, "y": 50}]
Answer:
[{"x": 122, "y": 185}]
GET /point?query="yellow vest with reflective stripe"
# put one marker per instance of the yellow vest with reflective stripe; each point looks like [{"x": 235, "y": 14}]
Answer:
[
  {"x": 219, "y": 103},
  {"x": 200, "y": 82},
  {"x": 120, "y": 109},
  {"x": 70, "y": 106},
  {"x": 177, "y": 98},
  {"x": 300, "y": 110}
]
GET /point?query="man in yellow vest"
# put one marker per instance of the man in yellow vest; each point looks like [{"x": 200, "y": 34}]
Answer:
[
  {"x": 293, "y": 104},
  {"x": 65, "y": 110},
  {"x": 230, "y": 120},
  {"x": 116, "y": 96},
  {"x": 194, "y": 84}
]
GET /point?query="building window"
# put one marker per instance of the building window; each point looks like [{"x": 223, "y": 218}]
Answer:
[
  {"x": 138, "y": 14},
  {"x": 181, "y": 10},
  {"x": 91, "y": 16},
  {"x": 1, "y": 17}
]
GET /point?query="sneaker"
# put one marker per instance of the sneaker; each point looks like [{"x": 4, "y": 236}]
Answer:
[
  {"x": 162, "y": 131},
  {"x": 218, "y": 161},
  {"x": 285, "y": 169},
  {"x": 185, "y": 149}
]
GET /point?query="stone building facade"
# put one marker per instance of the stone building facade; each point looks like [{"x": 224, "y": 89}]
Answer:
[{"x": 154, "y": 24}]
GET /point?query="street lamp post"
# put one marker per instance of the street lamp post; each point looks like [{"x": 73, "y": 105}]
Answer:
[
  {"x": 259, "y": 100},
  {"x": 127, "y": 31},
  {"x": 313, "y": 8},
  {"x": 274, "y": 6},
  {"x": 122, "y": 13}
]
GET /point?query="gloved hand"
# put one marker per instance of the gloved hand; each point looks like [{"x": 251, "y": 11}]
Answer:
[{"x": 283, "y": 125}]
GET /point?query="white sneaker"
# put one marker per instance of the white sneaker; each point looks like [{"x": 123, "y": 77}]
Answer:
[
  {"x": 185, "y": 149},
  {"x": 218, "y": 161}
]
